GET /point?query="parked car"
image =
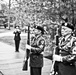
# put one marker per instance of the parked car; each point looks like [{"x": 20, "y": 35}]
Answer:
[{"x": 3, "y": 21}]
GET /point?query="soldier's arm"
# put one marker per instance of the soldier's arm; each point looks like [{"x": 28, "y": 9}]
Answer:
[
  {"x": 39, "y": 48},
  {"x": 19, "y": 32},
  {"x": 15, "y": 31}
]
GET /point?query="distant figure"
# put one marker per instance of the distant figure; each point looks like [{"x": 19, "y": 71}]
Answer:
[{"x": 17, "y": 38}]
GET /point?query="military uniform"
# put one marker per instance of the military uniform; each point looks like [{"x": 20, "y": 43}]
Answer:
[
  {"x": 36, "y": 55},
  {"x": 66, "y": 56},
  {"x": 17, "y": 39},
  {"x": 36, "y": 51},
  {"x": 67, "y": 51}
]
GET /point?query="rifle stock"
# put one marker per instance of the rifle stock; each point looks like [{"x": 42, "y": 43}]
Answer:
[{"x": 52, "y": 67}]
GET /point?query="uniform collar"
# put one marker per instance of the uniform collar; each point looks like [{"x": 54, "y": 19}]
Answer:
[
  {"x": 37, "y": 36},
  {"x": 67, "y": 36}
]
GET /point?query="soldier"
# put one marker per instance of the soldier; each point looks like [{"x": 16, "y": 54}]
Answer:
[
  {"x": 36, "y": 51},
  {"x": 17, "y": 38},
  {"x": 67, "y": 52}
]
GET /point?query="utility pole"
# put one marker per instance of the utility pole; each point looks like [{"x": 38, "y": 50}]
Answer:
[
  {"x": 73, "y": 20},
  {"x": 20, "y": 13},
  {"x": 9, "y": 15}
]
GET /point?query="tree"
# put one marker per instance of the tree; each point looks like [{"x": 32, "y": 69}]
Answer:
[{"x": 44, "y": 12}]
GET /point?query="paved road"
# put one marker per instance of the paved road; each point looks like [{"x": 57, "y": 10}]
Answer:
[{"x": 11, "y": 62}]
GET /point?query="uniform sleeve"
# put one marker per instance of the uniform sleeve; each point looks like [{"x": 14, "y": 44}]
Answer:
[
  {"x": 39, "y": 48},
  {"x": 14, "y": 31},
  {"x": 19, "y": 32}
]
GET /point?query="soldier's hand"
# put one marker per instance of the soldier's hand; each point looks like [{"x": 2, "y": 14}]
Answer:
[
  {"x": 57, "y": 58},
  {"x": 68, "y": 58},
  {"x": 28, "y": 46}
]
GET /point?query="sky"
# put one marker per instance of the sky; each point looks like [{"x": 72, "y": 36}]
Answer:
[
  {"x": 4, "y": 1},
  {"x": 13, "y": 3},
  {"x": 7, "y": 1}
]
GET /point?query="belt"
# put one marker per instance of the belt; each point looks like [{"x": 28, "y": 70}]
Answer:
[
  {"x": 63, "y": 53},
  {"x": 68, "y": 63}
]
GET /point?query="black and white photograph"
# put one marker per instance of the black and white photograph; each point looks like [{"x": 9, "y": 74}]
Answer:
[{"x": 37, "y": 37}]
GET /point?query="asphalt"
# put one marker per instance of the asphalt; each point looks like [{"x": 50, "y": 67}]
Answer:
[{"x": 11, "y": 62}]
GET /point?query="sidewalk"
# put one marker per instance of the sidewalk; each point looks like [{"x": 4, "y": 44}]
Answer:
[{"x": 11, "y": 62}]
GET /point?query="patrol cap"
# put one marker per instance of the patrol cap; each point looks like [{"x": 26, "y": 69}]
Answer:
[
  {"x": 40, "y": 28},
  {"x": 70, "y": 26}
]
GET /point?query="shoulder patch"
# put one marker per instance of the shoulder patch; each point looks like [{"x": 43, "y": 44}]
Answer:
[{"x": 40, "y": 41}]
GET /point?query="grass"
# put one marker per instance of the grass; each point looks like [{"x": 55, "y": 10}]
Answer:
[
  {"x": 10, "y": 40},
  {"x": 2, "y": 29}
]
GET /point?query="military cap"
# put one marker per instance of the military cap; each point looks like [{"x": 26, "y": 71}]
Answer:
[
  {"x": 40, "y": 28},
  {"x": 66, "y": 19},
  {"x": 68, "y": 25}
]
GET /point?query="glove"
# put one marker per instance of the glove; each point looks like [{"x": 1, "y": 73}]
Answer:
[
  {"x": 28, "y": 47},
  {"x": 57, "y": 58},
  {"x": 74, "y": 50},
  {"x": 68, "y": 58}
]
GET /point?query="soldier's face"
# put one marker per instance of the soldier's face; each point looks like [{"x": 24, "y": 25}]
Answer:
[
  {"x": 36, "y": 31},
  {"x": 65, "y": 30},
  {"x": 16, "y": 27}
]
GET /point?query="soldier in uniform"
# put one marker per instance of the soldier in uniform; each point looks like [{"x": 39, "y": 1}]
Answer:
[
  {"x": 36, "y": 51},
  {"x": 17, "y": 38},
  {"x": 67, "y": 51}
]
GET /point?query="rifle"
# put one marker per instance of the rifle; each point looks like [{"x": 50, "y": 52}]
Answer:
[
  {"x": 54, "y": 67},
  {"x": 25, "y": 66}
]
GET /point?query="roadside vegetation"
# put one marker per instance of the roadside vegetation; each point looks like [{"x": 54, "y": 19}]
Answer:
[{"x": 10, "y": 41}]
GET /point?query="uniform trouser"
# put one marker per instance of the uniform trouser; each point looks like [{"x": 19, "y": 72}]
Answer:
[
  {"x": 35, "y": 70},
  {"x": 17, "y": 42},
  {"x": 66, "y": 69}
]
